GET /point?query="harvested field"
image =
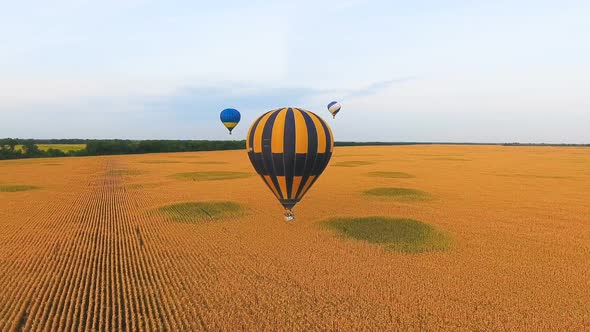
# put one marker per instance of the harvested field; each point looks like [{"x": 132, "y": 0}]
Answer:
[{"x": 86, "y": 253}]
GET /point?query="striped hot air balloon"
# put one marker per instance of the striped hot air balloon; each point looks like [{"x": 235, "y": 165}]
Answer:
[
  {"x": 289, "y": 148},
  {"x": 230, "y": 118},
  {"x": 334, "y": 107}
]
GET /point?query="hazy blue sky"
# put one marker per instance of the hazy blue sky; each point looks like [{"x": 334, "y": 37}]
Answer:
[{"x": 484, "y": 71}]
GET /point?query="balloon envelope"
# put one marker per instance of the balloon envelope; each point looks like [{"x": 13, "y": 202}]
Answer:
[
  {"x": 334, "y": 107},
  {"x": 230, "y": 118},
  {"x": 289, "y": 148}
]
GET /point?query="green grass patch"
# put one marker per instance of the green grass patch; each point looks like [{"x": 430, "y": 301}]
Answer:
[
  {"x": 397, "y": 234},
  {"x": 211, "y": 175},
  {"x": 130, "y": 172},
  {"x": 399, "y": 194},
  {"x": 10, "y": 188},
  {"x": 159, "y": 162},
  {"x": 352, "y": 163},
  {"x": 191, "y": 212},
  {"x": 395, "y": 175}
]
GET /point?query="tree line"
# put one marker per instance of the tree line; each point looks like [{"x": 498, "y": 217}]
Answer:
[{"x": 27, "y": 148}]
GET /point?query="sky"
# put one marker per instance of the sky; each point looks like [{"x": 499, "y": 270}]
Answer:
[{"x": 425, "y": 70}]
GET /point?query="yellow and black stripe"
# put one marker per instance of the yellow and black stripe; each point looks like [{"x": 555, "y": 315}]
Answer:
[
  {"x": 230, "y": 125},
  {"x": 289, "y": 148}
]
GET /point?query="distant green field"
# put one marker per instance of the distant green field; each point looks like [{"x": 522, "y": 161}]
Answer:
[{"x": 62, "y": 147}]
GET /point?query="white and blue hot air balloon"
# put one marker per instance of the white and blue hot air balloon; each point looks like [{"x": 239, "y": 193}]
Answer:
[{"x": 334, "y": 108}]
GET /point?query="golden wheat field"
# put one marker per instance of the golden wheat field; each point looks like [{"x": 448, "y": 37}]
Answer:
[{"x": 196, "y": 241}]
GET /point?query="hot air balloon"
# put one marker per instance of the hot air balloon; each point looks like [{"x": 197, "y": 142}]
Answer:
[
  {"x": 334, "y": 108},
  {"x": 230, "y": 118},
  {"x": 289, "y": 148}
]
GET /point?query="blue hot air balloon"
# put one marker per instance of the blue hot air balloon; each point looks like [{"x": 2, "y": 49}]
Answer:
[
  {"x": 230, "y": 118},
  {"x": 334, "y": 108}
]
